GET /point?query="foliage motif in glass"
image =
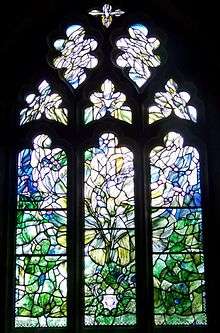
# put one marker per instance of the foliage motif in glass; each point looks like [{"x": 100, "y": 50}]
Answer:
[
  {"x": 41, "y": 291},
  {"x": 177, "y": 229},
  {"x": 41, "y": 273},
  {"x": 44, "y": 105},
  {"x": 76, "y": 55},
  {"x": 108, "y": 102},
  {"x": 109, "y": 264},
  {"x": 171, "y": 101},
  {"x": 176, "y": 215},
  {"x": 41, "y": 232},
  {"x": 106, "y": 14},
  {"x": 138, "y": 54}
]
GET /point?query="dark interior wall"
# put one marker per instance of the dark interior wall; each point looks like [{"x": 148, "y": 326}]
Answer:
[{"x": 191, "y": 30}]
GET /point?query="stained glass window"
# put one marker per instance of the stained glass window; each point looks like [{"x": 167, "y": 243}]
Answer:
[
  {"x": 41, "y": 261},
  {"x": 171, "y": 101},
  {"x": 45, "y": 105},
  {"x": 138, "y": 54},
  {"x": 108, "y": 102},
  {"x": 110, "y": 291},
  {"x": 76, "y": 55},
  {"x": 178, "y": 260},
  {"x": 132, "y": 218}
]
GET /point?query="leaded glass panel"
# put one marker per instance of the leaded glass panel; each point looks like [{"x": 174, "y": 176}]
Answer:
[
  {"x": 176, "y": 215},
  {"x": 108, "y": 102},
  {"x": 41, "y": 261},
  {"x": 46, "y": 104},
  {"x": 171, "y": 101},
  {"x": 138, "y": 54},
  {"x": 109, "y": 262},
  {"x": 75, "y": 55}
]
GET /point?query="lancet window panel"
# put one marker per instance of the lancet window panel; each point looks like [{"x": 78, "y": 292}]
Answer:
[
  {"x": 41, "y": 253},
  {"x": 109, "y": 262},
  {"x": 177, "y": 234}
]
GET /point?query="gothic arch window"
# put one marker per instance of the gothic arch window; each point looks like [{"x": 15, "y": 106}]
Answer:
[{"x": 110, "y": 186}]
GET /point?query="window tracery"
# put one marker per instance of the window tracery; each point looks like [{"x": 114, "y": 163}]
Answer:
[{"x": 108, "y": 192}]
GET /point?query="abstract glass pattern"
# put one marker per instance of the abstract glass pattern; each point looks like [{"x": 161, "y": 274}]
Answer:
[
  {"x": 76, "y": 55},
  {"x": 109, "y": 263},
  {"x": 41, "y": 273},
  {"x": 45, "y": 105},
  {"x": 106, "y": 14},
  {"x": 177, "y": 229},
  {"x": 41, "y": 291},
  {"x": 176, "y": 215},
  {"x": 108, "y": 102},
  {"x": 138, "y": 54},
  {"x": 175, "y": 174},
  {"x": 171, "y": 101},
  {"x": 41, "y": 232},
  {"x": 179, "y": 289},
  {"x": 42, "y": 176}
]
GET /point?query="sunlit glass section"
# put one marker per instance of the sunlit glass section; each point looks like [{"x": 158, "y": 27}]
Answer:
[
  {"x": 44, "y": 105},
  {"x": 176, "y": 215},
  {"x": 171, "y": 101},
  {"x": 108, "y": 102},
  {"x": 137, "y": 54},
  {"x": 76, "y": 55},
  {"x": 41, "y": 272},
  {"x": 109, "y": 235}
]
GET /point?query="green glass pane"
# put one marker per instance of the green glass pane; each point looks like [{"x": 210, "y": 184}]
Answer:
[
  {"x": 41, "y": 232},
  {"x": 177, "y": 230},
  {"x": 41, "y": 272},
  {"x": 179, "y": 289},
  {"x": 178, "y": 267},
  {"x": 110, "y": 291},
  {"x": 110, "y": 277},
  {"x": 42, "y": 173},
  {"x": 41, "y": 289}
]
